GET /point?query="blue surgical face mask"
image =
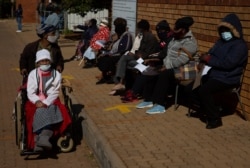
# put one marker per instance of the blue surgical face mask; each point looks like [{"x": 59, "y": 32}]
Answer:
[
  {"x": 226, "y": 36},
  {"x": 45, "y": 67}
]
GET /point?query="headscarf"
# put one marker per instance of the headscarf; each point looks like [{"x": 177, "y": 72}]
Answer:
[{"x": 44, "y": 29}]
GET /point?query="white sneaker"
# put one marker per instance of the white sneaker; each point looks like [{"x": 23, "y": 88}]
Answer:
[{"x": 19, "y": 31}]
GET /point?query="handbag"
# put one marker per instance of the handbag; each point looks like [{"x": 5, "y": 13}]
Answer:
[{"x": 189, "y": 70}]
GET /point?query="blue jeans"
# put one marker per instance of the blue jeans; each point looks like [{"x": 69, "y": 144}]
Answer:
[
  {"x": 42, "y": 19},
  {"x": 19, "y": 23}
]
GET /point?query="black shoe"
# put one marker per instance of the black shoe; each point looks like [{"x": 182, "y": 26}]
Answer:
[
  {"x": 110, "y": 81},
  {"x": 211, "y": 124},
  {"x": 101, "y": 81},
  {"x": 88, "y": 65}
]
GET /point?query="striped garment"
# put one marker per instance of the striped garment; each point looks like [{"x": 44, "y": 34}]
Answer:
[{"x": 46, "y": 116}]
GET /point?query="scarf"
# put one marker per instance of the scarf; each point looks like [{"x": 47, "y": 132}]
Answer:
[{"x": 41, "y": 89}]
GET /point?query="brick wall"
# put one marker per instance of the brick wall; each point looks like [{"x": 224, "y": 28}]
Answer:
[
  {"x": 29, "y": 10},
  {"x": 207, "y": 14}
]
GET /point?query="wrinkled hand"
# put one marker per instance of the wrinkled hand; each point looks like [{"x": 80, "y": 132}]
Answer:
[
  {"x": 40, "y": 104},
  {"x": 24, "y": 72}
]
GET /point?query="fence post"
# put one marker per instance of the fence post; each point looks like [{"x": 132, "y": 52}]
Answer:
[{"x": 65, "y": 16}]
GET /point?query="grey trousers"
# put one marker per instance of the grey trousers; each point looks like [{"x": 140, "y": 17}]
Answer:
[{"x": 126, "y": 61}]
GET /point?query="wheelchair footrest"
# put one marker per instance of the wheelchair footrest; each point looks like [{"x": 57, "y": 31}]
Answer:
[{"x": 24, "y": 153}]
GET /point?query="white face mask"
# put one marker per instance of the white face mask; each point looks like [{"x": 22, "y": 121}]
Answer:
[
  {"x": 52, "y": 39},
  {"x": 45, "y": 67},
  {"x": 226, "y": 36}
]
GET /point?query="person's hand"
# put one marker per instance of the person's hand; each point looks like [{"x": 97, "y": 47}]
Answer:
[
  {"x": 24, "y": 72},
  {"x": 200, "y": 66},
  {"x": 130, "y": 54},
  {"x": 138, "y": 54},
  {"x": 151, "y": 61},
  {"x": 163, "y": 68},
  {"x": 205, "y": 58},
  {"x": 59, "y": 68},
  {"x": 146, "y": 61},
  {"x": 74, "y": 27},
  {"x": 40, "y": 104}
]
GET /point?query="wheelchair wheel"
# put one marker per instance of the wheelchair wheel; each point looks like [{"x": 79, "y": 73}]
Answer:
[
  {"x": 65, "y": 144},
  {"x": 18, "y": 124}
]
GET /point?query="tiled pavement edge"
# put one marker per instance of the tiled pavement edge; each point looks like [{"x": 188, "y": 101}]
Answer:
[{"x": 123, "y": 136}]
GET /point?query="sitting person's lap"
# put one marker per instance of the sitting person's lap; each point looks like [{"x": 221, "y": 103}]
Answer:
[{"x": 30, "y": 110}]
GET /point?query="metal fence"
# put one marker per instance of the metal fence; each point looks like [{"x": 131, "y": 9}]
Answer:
[{"x": 71, "y": 19}]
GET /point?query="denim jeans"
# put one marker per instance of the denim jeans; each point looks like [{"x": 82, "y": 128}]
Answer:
[
  {"x": 42, "y": 19},
  {"x": 19, "y": 23}
]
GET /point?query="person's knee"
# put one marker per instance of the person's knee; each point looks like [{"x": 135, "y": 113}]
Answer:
[{"x": 203, "y": 92}]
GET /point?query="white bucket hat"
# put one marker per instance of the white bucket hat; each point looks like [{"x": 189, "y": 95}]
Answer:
[
  {"x": 42, "y": 54},
  {"x": 104, "y": 22}
]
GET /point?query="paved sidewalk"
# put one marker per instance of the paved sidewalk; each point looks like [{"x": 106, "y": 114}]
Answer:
[
  {"x": 11, "y": 45},
  {"x": 123, "y": 136}
]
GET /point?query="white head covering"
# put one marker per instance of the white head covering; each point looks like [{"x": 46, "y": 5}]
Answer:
[
  {"x": 104, "y": 23},
  {"x": 42, "y": 54}
]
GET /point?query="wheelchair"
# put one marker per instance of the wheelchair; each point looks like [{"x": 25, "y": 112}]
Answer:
[{"x": 65, "y": 142}]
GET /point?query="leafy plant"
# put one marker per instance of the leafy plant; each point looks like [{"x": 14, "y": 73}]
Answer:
[{"x": 81, "y": 7}]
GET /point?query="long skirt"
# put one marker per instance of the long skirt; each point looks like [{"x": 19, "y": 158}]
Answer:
[
  {"x": 46, "y": 116},
  {"x": 30, "y": 110}
]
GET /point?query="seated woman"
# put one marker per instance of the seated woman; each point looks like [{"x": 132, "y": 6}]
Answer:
[
  {"x": 157, "y": 89},
  {"x": 227, "y": 60},
  {"x": 45, "y": 115},
  {"x": 148, "y": 44},
  {"x": 90, "y": 28},
  {"x": 107, "y": 61},
  {"x": 165, "y": 35},
  {"x": 96, "y": 43}
]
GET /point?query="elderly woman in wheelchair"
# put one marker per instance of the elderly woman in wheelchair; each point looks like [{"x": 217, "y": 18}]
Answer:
[{"x": 46, "y": 116}]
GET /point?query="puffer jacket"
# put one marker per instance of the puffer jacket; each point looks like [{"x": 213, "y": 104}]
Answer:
[
  {"x": 175, "y": 58},
  {"x": 229, "y": 58}
]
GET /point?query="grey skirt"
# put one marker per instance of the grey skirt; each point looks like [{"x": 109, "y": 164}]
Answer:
[{"x": 46, "y": 116}]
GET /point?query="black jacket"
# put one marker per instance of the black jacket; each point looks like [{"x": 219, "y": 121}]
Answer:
[
  {"x": 229, "y": 58},
  {"x": 28, "y": 56}
]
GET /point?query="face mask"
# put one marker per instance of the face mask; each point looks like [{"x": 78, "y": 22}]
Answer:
[
  {"x": 226, "y": 36},
  {"x": 162, "y": 35},
  {"x": 52, "y": 39},
  {"x": 45, "y": 67}
]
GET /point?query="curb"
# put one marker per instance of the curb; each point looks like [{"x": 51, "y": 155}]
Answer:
[{"x": 101, "y": 147}]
